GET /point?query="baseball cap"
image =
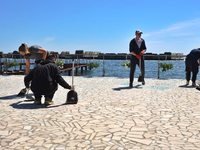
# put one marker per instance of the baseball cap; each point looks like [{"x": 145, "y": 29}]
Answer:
[{"x": 138, "y": 31}]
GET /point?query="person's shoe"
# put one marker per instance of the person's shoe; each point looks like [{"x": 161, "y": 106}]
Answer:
[
  {"x": 143, "y": 82},
  {"x": 37, "y": 101},
  {"x": 48, "y": 101},
  {"x": 194, "y": 84},
  {"x": 187, "y": 82},
  {"x": 130, "y": 85}
]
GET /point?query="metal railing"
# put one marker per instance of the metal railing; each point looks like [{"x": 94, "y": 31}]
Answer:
[{"x": 90, "y": 56}]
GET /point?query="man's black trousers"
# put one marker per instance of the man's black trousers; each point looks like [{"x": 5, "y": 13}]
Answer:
[
  {"x": 191, "y": 66},
  {"x": 135, "y": 61}
]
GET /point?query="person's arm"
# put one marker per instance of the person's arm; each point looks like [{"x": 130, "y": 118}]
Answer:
[
  {"x": 27, "y": 66},
  {"x": 199, "y": 62},
  {"x": 60, "y": 80},
  {"x": 44, "y": 52},
  {"x": 133, "y": 53}
]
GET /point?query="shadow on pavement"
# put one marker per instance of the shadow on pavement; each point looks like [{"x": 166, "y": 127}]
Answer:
[
  {"x": 127, "y": 88},
  {"x": 10, "y": 97},
  {"x": 186, "y": 86},
  {"x": 20, "y": 105}
]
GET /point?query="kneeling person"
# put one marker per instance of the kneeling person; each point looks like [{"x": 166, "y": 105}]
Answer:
[{"x": 44, "y": 80}]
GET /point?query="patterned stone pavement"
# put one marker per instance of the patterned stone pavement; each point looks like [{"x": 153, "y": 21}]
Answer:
[{"x": 161, "y": 115}]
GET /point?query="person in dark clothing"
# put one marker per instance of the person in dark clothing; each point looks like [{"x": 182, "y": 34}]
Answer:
[
  {"x": 192, "y": 65},
  {"x": 137, "y": 48},
  {"x": 45, "y": 78}
]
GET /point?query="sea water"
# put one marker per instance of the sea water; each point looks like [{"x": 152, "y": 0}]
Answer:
[{"x": 113, "y": 68}]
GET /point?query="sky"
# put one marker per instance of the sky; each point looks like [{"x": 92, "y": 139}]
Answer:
[{"x": 105, "y": 26}]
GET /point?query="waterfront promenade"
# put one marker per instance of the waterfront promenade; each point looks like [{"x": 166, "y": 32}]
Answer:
[{"x": 161, "y": 115}]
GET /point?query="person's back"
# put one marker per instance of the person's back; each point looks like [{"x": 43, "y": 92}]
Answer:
[{"x": 44, "y": 77}]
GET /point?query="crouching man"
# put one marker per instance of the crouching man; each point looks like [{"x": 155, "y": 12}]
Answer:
[{"x": 44, "y": 80}]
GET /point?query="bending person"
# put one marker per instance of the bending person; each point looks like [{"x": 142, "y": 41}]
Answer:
[
  {"x": 33, "y": 52},
  {"x": 192, "y": 65}
]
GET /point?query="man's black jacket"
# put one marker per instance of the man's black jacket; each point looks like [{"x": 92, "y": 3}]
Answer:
[
  {"x": 45, "y": 77},
  {"x": 133, "y": 47}
]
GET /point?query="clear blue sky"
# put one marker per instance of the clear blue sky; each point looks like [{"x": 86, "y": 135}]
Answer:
[{"x": 106, "y": 26}]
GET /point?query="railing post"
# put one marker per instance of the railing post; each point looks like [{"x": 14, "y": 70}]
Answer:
[
  {"x": 103, "y": 66},
  {"x": 158, "y": 67},
  {"x": 77, "y": 69}
]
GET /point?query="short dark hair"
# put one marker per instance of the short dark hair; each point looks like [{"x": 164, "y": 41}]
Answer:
[{"x": 51, "y": 56}]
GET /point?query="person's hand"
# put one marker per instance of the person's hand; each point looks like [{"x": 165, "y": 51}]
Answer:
[
  {"x": 138, "y": 56},
  {"x": 141, "y": 53},
  {"x": 72, "y": 88}
]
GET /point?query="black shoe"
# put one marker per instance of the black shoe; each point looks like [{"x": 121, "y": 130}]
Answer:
[
  {"x": 130, "y": 85},
  {"x": 143, "y": 83}
]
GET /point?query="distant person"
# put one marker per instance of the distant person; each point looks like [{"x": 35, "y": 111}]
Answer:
[
  {"x": 33, "y": 52},
  {"x": 137, "y": 48},
  {"x": 45, "y": 78},
  {"x": 192, "y": 65}
]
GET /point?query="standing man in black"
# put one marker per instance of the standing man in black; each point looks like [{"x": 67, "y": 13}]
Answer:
[{"x": 137, "y": 48}]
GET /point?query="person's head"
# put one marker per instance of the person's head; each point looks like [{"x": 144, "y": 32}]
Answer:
[
  {"x": 23, "y": 49},
  {"x": 138, "y": 34},
  {"x": 51, "y": 57},
  {"x": 199, "y": 48}
]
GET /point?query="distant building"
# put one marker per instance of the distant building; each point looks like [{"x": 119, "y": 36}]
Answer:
[
  {"x": 80, "y": 52},
  {"x": 175, "y": 56}
]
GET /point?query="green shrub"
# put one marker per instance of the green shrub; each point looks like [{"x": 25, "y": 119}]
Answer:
[
  {"x": 166, "y": 66},
  {"x": 12, "y": 64},
  {"x": 126, "y": 63},
  {"x": 60, "y": 64},
  {"x": 93, "y": 65}
]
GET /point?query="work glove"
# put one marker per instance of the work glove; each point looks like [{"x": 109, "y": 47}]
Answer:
[
  {"x": 138, "y": 56},
  {"x": 141, "y": 53}
]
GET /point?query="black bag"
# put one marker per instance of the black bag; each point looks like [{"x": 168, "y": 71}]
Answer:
[
  {"x": 22, "y": 92},
  {"x": 72, "y": 97},
  {"x": 140, "y": 78}
]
